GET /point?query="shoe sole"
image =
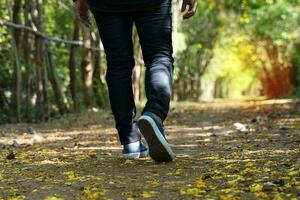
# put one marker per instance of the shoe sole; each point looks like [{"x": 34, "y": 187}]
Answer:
[
  {"x": 136, "y": 155},
  {"x": 159, "y": 149}
]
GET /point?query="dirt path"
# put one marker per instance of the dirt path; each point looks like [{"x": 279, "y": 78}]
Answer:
[{"x": 79, "y": 157}]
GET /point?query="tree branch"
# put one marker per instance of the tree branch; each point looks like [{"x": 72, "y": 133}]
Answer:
[{"x": 40, "y": 34}]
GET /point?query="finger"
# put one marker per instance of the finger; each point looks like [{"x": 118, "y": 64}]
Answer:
[
  {"x": 85, "y": 19},
  {"x": 191, "y": 12},
  {"x": 87, "y": 23},
  {"x": 194, "y": 7},
  {"x": 187, "y": 15},
  {"x": 184, "y": 4}
]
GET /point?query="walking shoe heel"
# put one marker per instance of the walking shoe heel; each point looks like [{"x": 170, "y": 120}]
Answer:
[{"x": 159, "y": 149}]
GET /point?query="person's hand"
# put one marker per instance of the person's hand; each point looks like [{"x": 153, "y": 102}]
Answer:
[
  {"x": 82, "y": 12},
  {"x": 192, "y": 8}
]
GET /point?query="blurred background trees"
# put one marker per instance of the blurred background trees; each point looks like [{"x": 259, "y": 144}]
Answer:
[{"x": 51, "y": 65}]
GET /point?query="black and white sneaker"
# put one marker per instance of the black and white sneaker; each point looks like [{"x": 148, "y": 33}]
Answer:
[{"x": 135, "y": 150}]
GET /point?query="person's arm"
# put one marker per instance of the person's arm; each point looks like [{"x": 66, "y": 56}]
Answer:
[
  {"x": 192, "y": 8},
  {"x": 82, "y": 12}
]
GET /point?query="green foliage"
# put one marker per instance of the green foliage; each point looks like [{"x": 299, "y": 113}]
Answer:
[
  {"x": 296, "y": 64},
  {"x": 234, "y": 67},
  {"x": 221, "y": 52},
  {"x": 237, "y": 38},
  {"x": 277, "y": 23}
]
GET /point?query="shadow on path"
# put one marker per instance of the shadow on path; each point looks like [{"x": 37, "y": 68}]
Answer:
[{"x": 79, "y": 157}]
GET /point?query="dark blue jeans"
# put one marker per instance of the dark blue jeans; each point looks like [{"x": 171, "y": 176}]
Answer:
[{"x": 154, "y": 27}]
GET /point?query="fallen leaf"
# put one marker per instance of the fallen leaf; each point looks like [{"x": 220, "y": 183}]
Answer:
[{"x": 11, "y": 156}]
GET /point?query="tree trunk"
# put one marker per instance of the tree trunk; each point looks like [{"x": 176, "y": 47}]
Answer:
[
  {"x": 16, "y": 77},
  {"x": 39, "y": 83},
  {"x": 199, "y": 87},
  {"x": 87, "y": 69},
  {"x": 26, "y": 44},
  {"x": 3, "y": 100},
  {"x": 41, "y": 77},
  {"x": 46, "y": 107},
  {"x": 59, "y": 95},
  {"x": 100, "y": 91},
  {"x": 180, "y": 82},
  {"x": 137, "y": 77},
  {"x": 72, "y": 68}
]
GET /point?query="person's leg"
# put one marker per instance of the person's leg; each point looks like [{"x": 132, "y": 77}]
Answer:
[
  {"x": 116, "y": 34},
  {"x": 155, "y": 32}
]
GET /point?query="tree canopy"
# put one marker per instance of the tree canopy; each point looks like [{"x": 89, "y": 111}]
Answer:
[{"x": 230, "y": 49}]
